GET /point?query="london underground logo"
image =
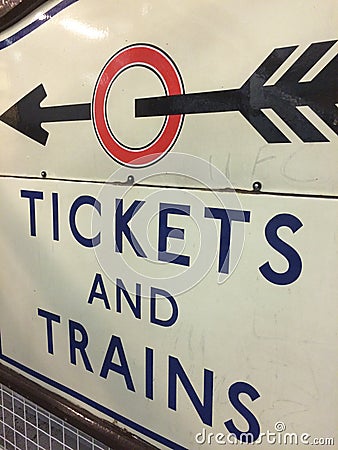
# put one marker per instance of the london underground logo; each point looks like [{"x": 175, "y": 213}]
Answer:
[
  {"x": 164, "y": 68},
  {"x": 284, "y": 97}
]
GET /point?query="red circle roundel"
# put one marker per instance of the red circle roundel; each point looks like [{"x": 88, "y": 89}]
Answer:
[{"x": 159, "y": 62}]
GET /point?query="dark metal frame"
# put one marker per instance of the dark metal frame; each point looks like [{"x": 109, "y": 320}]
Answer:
[
  {"x": 18, "y": 12},
  {"x": 100, "y": 429}
]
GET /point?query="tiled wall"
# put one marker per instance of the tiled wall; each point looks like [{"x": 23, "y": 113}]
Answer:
[{"x": 26, "y": 426}]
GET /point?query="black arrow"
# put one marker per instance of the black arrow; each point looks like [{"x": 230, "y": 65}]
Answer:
[
  {"x": 320, "y": 94},
  {"x": 27, "y": 115}
]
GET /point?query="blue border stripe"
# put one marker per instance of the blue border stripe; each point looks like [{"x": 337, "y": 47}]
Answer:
[
  {"x": 37, "y": 23},
  {"x": 92, "y": 403}
]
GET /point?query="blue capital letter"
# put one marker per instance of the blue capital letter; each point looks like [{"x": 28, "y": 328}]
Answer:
[
  {"x": 177, "y": 233},
  {"x": 122, "y": 227},
  {"x": 292, "y": 257}
]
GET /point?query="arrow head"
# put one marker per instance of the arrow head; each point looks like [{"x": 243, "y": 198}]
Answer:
[
  {"x": 289, "y": 92},
  {"x": 25, "y": 116}
]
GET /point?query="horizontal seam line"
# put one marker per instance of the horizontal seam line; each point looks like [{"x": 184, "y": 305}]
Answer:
[{"x": 122, "y": 183}]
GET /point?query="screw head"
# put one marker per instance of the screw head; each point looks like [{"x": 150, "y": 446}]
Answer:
[
  {"x": 43, "y": 174},
  {"x": 257, "y": 186}
]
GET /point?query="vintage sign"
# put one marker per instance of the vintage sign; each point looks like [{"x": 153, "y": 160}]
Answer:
[
  {"x": 169, "y": 216},
  {"x": 257, "y": 101},
  {"x": 284, "y": 97},
  {"x": 169, "y": 360}
]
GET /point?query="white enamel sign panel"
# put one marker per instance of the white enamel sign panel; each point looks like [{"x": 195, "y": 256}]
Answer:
[
  {"x": 249, "y": 86},
  {"x": 135, "y": 280},
  {"x": 182, "y": 314}
]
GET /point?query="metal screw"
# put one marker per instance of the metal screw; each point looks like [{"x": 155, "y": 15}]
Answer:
[{"x": 257, "y": 186}]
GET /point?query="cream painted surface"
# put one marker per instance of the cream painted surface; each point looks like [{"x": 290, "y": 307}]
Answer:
[
  {"x": 279, "y": 339},
  {"x": 215, "y": 45}
]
